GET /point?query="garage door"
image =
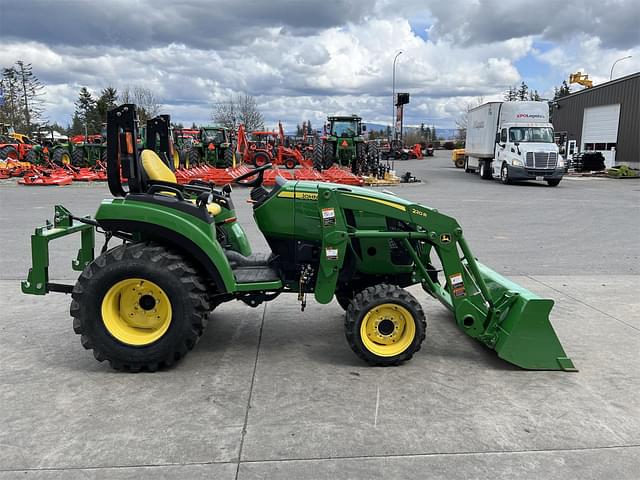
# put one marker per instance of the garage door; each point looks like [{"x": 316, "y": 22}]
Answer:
[{"x": 600, "y": 130}]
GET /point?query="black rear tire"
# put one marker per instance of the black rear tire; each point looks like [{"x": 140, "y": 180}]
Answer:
[
  {"x": 260, "y": 159},
  {"x": 77, "y": 158},
  {"x": 8, "y": 153},
  {"x": 194, "y": 157},
  {"x": 61, "y": 157},
  {"x": 318, "y": 156},
  {"x": 396, "y": 308},
  {"x": 228, "y": 156},
  {"x": 485, "y": 170},
  {"x": 466, "y": 166},
  {"x": 358, "y": 163},
  {"x": 176, "y": 278},
  {"x": 328, "y": 154},
  {"x": 32, "y": 157}
]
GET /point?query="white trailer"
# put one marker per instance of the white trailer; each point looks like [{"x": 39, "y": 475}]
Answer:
[{"x": 513, "y": 141}]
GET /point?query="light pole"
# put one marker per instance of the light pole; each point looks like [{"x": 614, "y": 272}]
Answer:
[
  {"x": 614, "y": 64},
  {"x": 393, "y": 94}
]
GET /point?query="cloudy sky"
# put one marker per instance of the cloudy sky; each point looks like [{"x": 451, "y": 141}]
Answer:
[{"x": 306, "y": 59}]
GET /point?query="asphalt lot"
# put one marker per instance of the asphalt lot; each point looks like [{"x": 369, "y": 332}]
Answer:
[{"x": 276, "y": 394}]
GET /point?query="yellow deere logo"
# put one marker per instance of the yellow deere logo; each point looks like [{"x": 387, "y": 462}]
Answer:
[{"x": 445, "y": 238}]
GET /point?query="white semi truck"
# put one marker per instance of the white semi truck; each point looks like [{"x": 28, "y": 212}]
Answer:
[{"x": 513, "y": 141}]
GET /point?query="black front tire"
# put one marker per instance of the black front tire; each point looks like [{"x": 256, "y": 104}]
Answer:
[
  {"x": 504, "y": 174},
  {"x": 172, "y": 273},
  {"x": 553, "y": 183},
  {"x": 384, "y": 296}
]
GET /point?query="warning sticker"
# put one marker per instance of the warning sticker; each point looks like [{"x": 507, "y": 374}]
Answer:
[
  {"x": 457, "y": 285},
  {"x": 331, "y": 253},
  {"x": 328, "y": 216}
]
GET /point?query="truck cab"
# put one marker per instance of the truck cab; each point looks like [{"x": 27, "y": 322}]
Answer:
[{"x": 526, "y": 152}]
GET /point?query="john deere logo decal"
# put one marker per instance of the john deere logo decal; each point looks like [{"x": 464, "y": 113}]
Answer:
[{"x": 445, "y": 238}]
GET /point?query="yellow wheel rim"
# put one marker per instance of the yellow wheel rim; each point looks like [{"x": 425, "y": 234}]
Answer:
[
  {"x": 387, "y": 330},
  {"x": 136, "y": 311},
  {"x": 65, "y": 159}
]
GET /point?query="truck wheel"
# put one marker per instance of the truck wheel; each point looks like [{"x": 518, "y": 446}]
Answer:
[
  {"x": 385, "y": 325},
  {"x": 140, "y": 307},
  {"x": 553, "y": 183},
  {"x": 485, "y": 170},
  {"x": 504, "y": 174}
]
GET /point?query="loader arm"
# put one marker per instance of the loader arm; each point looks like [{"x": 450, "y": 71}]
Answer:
[{"x": 486, "y": 306}]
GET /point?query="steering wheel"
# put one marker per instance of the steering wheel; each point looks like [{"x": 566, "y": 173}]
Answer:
[{"x": 256, "y": 171}]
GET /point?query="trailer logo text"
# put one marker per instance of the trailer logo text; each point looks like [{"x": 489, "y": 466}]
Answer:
[{"x": 529, "y": 115}]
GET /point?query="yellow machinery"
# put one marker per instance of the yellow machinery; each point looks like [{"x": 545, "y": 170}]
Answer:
[
  {"x": 580, "y": 78},
  {"x": 458, "y": 157}
]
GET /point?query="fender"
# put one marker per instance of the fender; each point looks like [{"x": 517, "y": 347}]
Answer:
[{"x": 151, "y": 219}]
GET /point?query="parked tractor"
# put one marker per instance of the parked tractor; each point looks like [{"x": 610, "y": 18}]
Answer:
[
  {"x": 48, "y": 148},
  {"x": 212, "y": 146},
  {"x": 343, "y": 144},
  {"x": 13, "y": 146},
  {"x": 257, "y": 151},
  {"x": 143, "y": 304}
]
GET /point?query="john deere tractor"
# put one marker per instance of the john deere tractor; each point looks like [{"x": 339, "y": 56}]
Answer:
[
  {"x": 143, "y": 304},
  {"x": 212, "y": 146},
  {"x": 343, "y": 144}
]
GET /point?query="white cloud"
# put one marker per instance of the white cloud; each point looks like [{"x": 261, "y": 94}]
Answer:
[{"x": 306, "y": 68}]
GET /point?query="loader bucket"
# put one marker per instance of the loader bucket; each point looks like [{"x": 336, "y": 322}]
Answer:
[{"x": 525, "y": 336}]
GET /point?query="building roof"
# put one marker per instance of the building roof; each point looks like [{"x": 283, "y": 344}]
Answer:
[{"x": 597, "y": 87}]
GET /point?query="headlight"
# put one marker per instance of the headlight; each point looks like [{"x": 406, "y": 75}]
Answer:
[{"x": 516, "y": 163}]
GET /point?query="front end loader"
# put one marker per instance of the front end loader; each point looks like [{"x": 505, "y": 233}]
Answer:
[{"x": 143, "y": 304}]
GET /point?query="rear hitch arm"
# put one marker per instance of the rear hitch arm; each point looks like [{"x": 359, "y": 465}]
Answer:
[{"x": 64, "y": 223}]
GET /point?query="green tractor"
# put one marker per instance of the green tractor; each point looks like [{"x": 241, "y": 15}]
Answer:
[
  {"x": 47, "y": 147},
  {"x": 144, "y": 304},
  {"x": 212, "y": 146},
  {"x": 343, "y": 144}
]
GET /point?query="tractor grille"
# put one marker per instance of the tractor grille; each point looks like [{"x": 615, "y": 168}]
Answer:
[{"x": 541, "y": 160}]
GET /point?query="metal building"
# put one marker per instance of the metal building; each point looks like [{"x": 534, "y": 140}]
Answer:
[{"x": 604, "y": 118}]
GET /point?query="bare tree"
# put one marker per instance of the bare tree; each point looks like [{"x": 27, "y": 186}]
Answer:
[
  {"x": 23, "y": 105},
  {"x": 461, "y": 122},
  {"x": 147, "y": 104},
  {"x": 240, "y": 108}
]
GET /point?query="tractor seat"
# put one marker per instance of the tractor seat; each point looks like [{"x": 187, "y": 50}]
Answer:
[{"x": 156, "y": 169}]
